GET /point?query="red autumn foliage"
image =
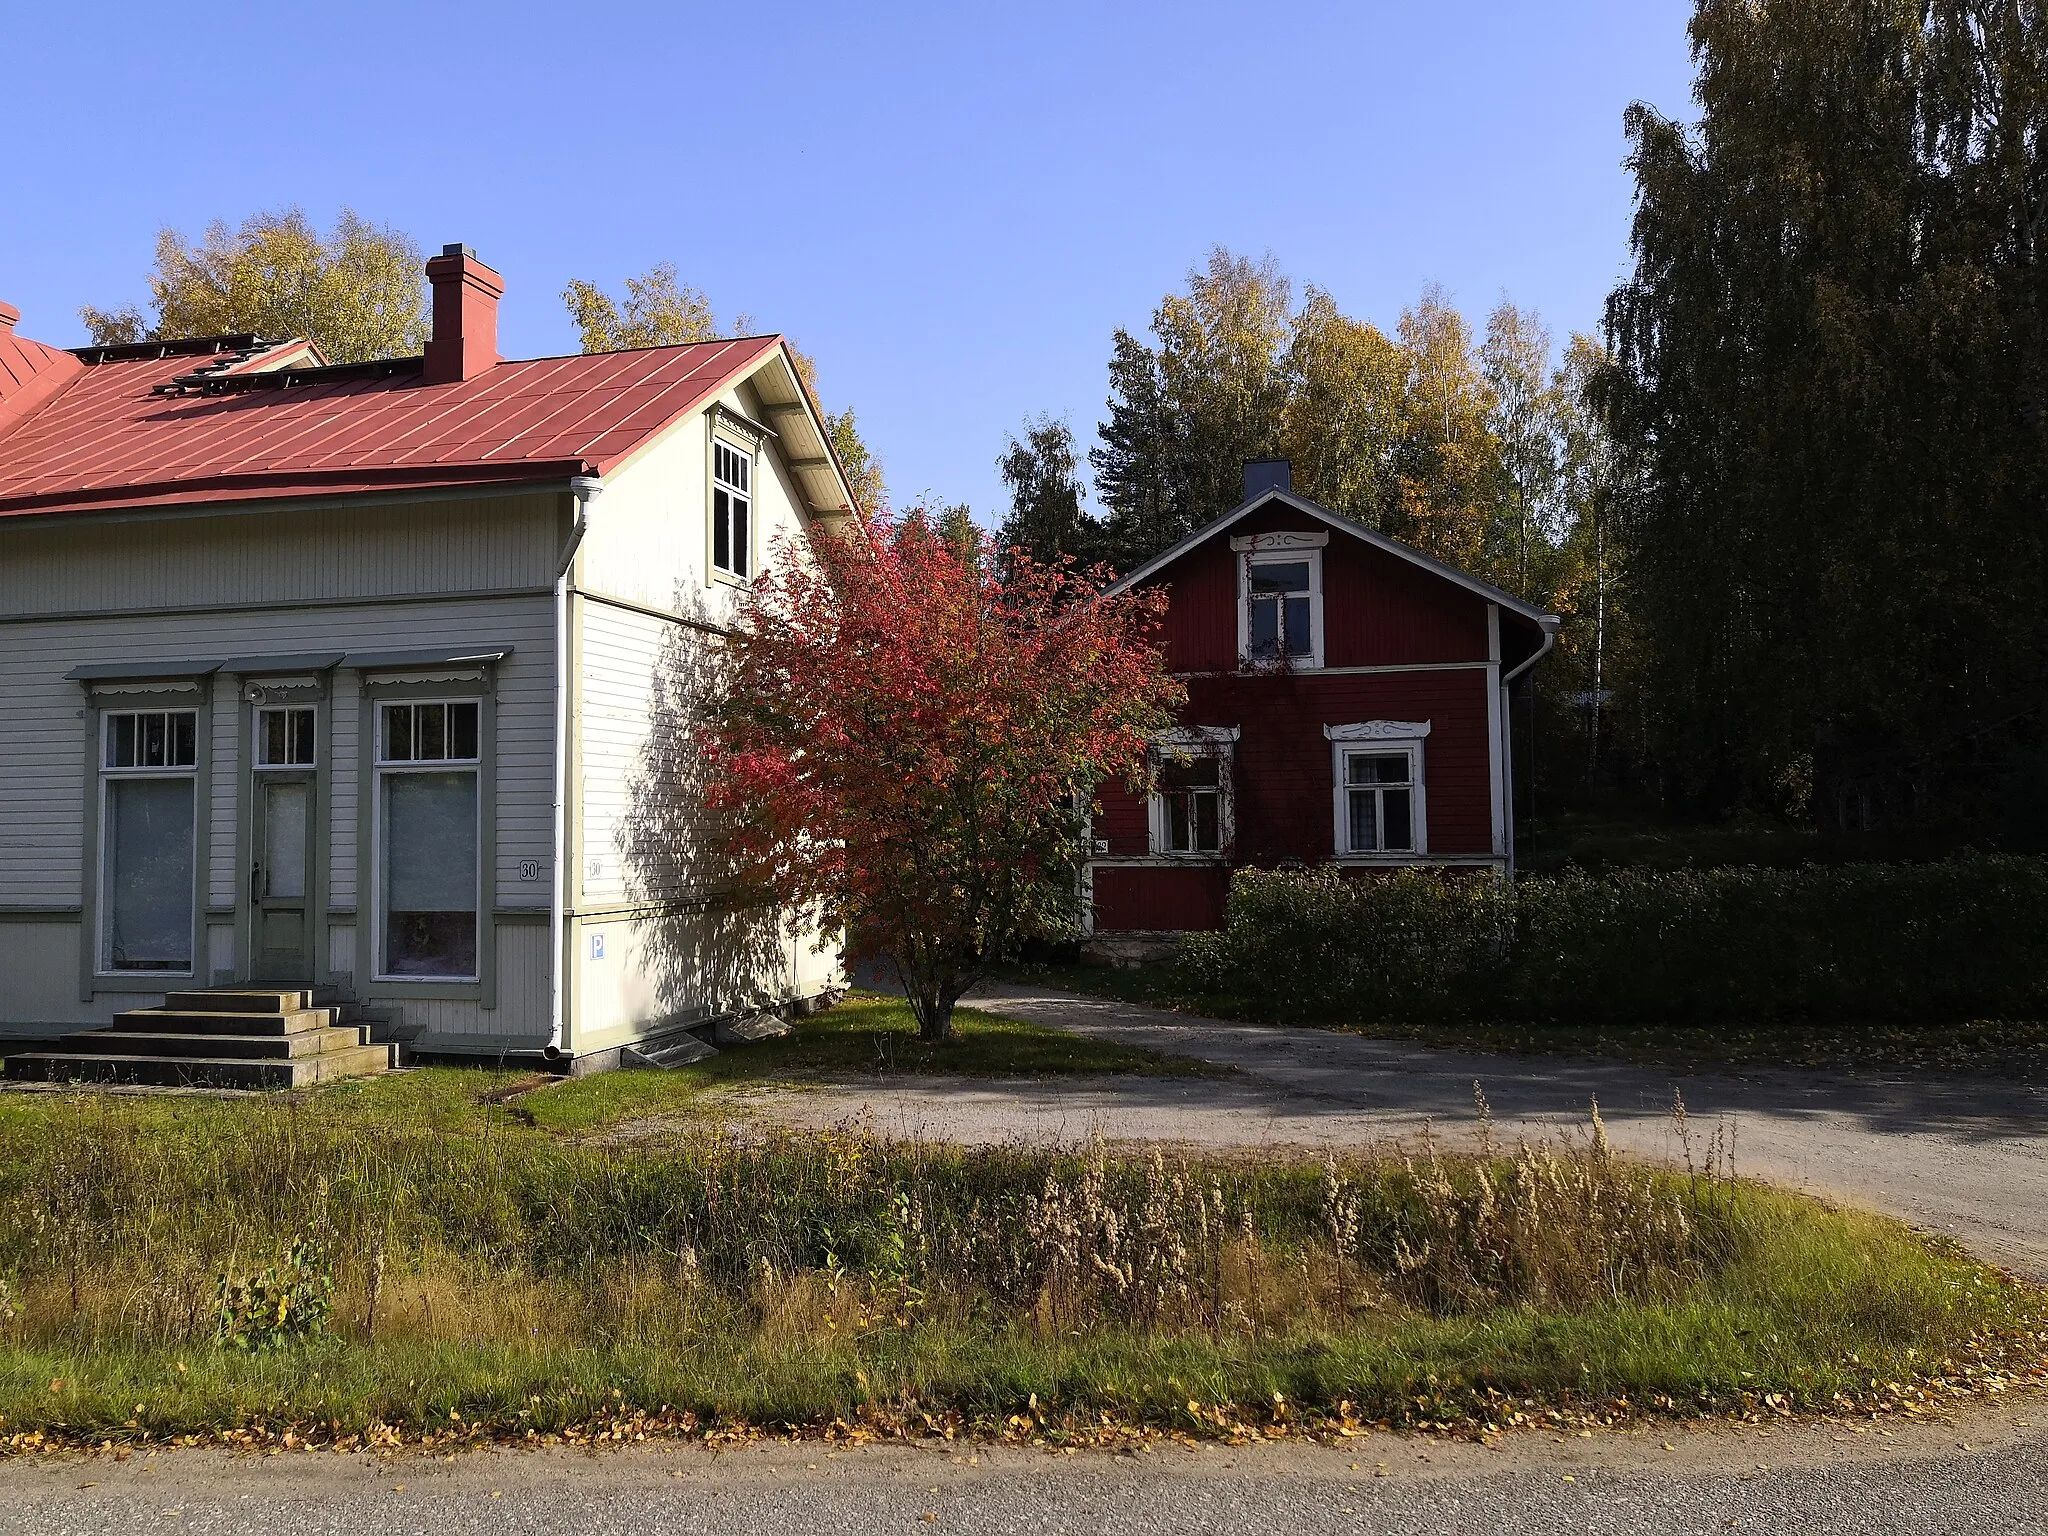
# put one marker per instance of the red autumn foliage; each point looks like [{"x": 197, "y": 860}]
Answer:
[{"x": 907, "y": 739}]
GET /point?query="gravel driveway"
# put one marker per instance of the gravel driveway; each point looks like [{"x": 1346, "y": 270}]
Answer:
[
  {"x": 1984, "y": 1473},
  {"x": 1962, "y": 1156}
]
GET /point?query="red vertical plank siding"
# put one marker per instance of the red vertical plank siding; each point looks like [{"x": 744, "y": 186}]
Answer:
[
  {"x": 1123, "y": 820},
  {"x": 1285, "y": 777},
  {"x": 1201, "y": 613},
  {"x": 1379, "y": 611},
  {"x": 1155, "y": 900}
]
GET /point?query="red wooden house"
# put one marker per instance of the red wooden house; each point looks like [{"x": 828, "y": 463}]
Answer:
[{"x": 1347, "y": 705}]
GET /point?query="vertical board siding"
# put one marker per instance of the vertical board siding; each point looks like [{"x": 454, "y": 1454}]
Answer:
[
  {"x": 1151, "y": 899},
  {"x": 1201, "y": 614},
  {"x": 491, "y": 543},
  {"x": 1380, "y": 611},
  {"x": 1122, "y": 819},
  {"x": 520, "y": 1021},
  {"x": 1285, "y": 783},
  {"x": 622, "y": 678}
]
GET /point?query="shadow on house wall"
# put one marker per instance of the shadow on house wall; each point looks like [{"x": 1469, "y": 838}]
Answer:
[{"x": 711, "y": 947}]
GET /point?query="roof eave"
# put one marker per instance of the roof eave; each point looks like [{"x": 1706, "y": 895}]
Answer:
[
  {"x": 237, "y": 489},
  {"x": 1485, "y": 589}
]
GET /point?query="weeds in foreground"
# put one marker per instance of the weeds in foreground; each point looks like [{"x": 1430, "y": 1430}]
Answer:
[{"x": 284, "y": 1265}]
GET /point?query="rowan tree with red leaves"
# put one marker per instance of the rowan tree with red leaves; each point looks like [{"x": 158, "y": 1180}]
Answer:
[{"x": 907, "y": 739}]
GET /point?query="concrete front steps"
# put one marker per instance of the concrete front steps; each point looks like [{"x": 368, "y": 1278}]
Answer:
[{"x": 225, "y": 1037}]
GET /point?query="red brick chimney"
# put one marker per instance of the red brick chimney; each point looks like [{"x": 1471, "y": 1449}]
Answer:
[
  {"x": 466, "y": 294},
  {"x": 9, "y": 315}
]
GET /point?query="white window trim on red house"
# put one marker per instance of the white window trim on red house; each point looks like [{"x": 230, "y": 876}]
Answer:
[
  {"x": 1193, "y": 741},
  {"x": 1378, "y": 736},
  {"x": 1288, "y": 548}
]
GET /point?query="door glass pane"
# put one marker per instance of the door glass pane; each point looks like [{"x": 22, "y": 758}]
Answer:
[
  {"x": 146, "y": 874},
  {"x": 284, "y": 839},
  {"x": 1395, "y": 807},
  {"x": 430, "y": 874}
]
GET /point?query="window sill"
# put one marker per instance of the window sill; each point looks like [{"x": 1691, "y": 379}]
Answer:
[
  {"x": 145, "y": 981},
  {"x": 728, "y": 579},
  {"x": 426, "y": 988},
  {"x": 1395, "y": 860}
]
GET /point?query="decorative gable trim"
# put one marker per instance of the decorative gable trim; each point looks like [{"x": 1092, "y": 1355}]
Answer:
[
  {"x": 1378, "y": 730},
  {"x": 1289, "y": 539}
]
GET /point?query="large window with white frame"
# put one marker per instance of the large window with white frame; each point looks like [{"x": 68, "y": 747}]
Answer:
[
  {"x": 1191, "y": 811},
  {"x": 429, "y": 838},
  {"x": 732, "y": 510},
  {"x": 149, "y": 773},
  {"x": 1380, "y": 800},
  {"x": 1280, "y": 600}
]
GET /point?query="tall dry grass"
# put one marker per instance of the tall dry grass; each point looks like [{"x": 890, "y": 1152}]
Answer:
[{"x": 117, "y": 1225}]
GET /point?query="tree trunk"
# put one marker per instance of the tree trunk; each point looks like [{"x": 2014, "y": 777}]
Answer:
[{"x": 934, "y": 1018}]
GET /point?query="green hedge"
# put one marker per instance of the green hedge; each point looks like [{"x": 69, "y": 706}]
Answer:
[{"x": 1964, "y": 937}]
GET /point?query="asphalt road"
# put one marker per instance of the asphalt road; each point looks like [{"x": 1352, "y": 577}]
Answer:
[
  {"x": 1967, "y": 1157},
  {"x": 1985, "y": 1472}
]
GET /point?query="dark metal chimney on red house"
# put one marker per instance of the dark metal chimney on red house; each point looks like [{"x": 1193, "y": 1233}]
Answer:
[
  {"x": 1262, "y": 475},
  {"x": 466, "y": 294}
]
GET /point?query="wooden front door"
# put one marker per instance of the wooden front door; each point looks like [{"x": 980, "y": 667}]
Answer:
[{"x": 281, "y": 834}]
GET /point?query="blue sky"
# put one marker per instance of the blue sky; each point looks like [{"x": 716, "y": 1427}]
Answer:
[{"x": 951, "y": 207}]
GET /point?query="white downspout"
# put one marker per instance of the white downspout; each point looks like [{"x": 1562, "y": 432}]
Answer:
[
  {"x": 1549, "y": 626},
  {"x": 586, "y": 489}
]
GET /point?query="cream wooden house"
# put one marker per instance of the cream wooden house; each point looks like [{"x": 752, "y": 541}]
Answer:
[{"x": 380, "y": 678}]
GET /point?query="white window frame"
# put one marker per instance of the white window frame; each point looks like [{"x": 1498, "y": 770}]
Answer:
[
  {"x": 1377, "y": 738},
  {"x": 1196, "y": 741},
  {"x": 256, "y": 762},
  {"x": 102, "y": 961},
  {"x": 1289, "y": 548},
  {"x": 750, "y": 459},
  {"x": 383, "y": 768}
]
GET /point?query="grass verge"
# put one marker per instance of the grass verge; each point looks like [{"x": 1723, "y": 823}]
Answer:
[
  {"x": 2006, "y": 1047},
  {"x": 243, "y": 1270}
]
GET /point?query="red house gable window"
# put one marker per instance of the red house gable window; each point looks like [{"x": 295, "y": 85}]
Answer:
[{"x": 1280, "y": 599}]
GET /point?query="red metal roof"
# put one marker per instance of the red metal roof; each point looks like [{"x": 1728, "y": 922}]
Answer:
[
  {"x": 104, "y": 439},
  {"x": 29, "y": 371}
]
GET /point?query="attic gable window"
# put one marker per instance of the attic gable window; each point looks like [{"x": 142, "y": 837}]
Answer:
[
  {"x": 1280, "y": 599},
  {"x": 732, "y": 510}
]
